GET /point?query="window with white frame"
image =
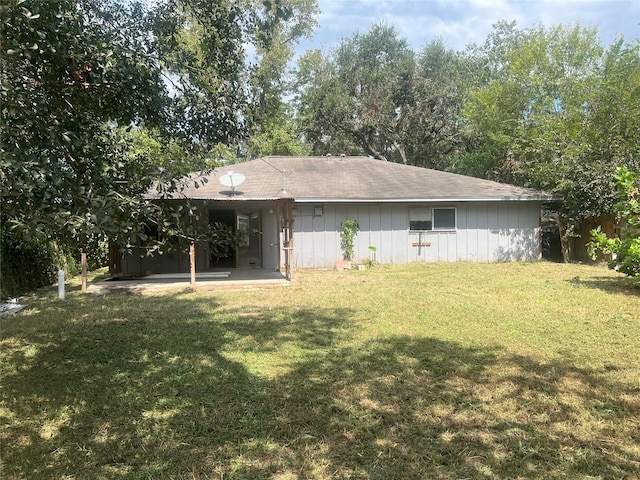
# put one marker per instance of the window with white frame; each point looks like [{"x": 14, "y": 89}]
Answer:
[
  {"x": 426, "y": 219},
  {"x": 444, "y": 218},
  {"x": 419, "y": 219}
]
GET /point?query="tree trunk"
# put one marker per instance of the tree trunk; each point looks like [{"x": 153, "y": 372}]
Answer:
[
  {"x": 566, "y": 241},
  {"x": 400, "y": 150}
]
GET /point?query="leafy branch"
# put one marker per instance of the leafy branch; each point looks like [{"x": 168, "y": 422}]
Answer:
[{"x": 624, "y": 250}]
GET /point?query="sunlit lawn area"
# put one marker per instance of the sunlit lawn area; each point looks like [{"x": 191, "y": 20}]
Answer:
[{"x": 444, "y": 371}]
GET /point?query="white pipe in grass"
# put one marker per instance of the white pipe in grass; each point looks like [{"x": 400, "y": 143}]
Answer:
[{"x": 61, "y": 284}]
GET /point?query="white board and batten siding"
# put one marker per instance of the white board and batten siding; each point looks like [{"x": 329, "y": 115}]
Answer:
[{"x": 484, "y": 232}]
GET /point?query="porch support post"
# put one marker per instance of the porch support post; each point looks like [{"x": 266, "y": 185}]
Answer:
[
  {"x": 192, "y": 264},
  {"x": 288, "y": 239}
]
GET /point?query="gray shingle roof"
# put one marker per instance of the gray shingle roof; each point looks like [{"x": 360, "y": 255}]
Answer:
[{"x": 352, "y": 179}]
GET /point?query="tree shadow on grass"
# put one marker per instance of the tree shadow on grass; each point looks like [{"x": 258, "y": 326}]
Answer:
[
  {"x": 425, "y": 408},
  {"x": 614, "y": 285},
  {"x": 139, "y": 389},
  {"x": 136, "y": 386}
]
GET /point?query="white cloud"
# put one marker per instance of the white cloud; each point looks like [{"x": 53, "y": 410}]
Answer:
[{"x": 461, "y": 22}]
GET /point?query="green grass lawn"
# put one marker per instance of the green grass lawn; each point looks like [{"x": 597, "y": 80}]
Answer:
[{"x": 443, "y": 371}]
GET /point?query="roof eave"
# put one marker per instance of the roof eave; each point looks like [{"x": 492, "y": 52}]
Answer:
[{"x": 506, "y": 198}]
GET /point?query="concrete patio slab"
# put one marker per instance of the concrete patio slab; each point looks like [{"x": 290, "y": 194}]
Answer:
[{"x": 211, "y": 280}]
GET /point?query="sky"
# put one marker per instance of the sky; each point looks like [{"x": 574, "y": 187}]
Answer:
[{"x": 461, "y": 22}]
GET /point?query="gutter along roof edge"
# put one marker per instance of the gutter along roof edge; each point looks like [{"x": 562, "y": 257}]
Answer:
[
  {"x": 521, "y": 198},
  {"x": 240, "y": 198}
]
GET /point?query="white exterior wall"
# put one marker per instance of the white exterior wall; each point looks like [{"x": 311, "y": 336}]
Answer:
[{"x": 485, "y": 232}]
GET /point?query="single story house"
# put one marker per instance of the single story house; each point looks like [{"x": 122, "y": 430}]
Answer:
[{"x": 291, "y": 208}]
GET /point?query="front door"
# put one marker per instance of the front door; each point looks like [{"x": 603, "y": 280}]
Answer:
[{"x": 249, "y": 253}]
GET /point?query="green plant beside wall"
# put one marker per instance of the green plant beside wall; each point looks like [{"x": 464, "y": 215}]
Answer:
[
  {"x": 350, "y": 229},
  {"x": 370, "y": 262},
  {"x": 372, "y": 254}
]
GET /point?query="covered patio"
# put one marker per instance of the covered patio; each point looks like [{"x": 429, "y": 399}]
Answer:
[{"x": 265, "y": 251}]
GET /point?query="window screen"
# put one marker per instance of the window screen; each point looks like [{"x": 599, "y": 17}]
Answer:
[{"x": 444, "y": 218}]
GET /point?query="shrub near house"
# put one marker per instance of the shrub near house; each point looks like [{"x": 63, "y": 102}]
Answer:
[{"x": 624, "y": 250}]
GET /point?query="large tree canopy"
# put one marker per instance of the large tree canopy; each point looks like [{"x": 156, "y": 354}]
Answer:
[
  {"x": 374, "y": 95},
  {"x": 200, "y": 49},
  {"x": 359, "y": 94},
  {"x": 278, "y": 25},
  {"x": 557, "y": 111},
  {"x": 72, "y": 74},
  {"x": 100, "y": 98}
]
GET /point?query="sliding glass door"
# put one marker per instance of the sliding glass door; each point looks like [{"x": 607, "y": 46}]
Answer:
[{"x": 249, "y": 252}]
